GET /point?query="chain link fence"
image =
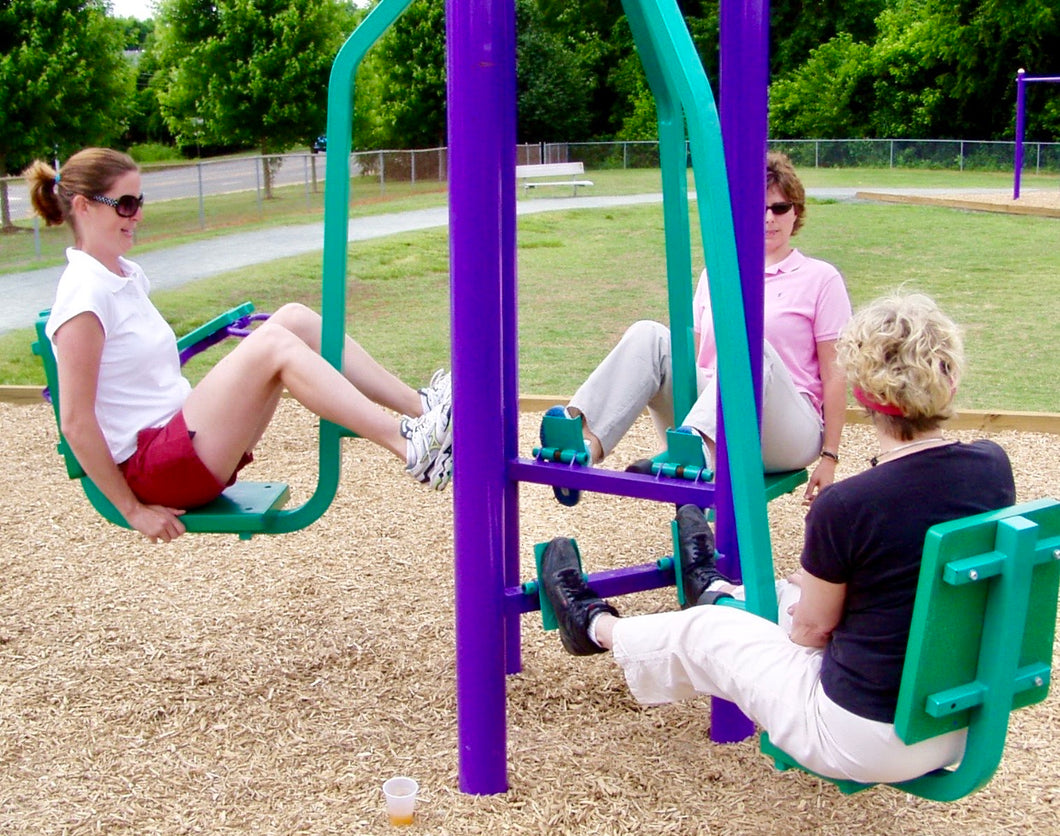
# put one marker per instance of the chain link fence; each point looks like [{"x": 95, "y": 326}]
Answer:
[
  {"x": 209, "y": 178},
  {"x": 944, "y": 154}
]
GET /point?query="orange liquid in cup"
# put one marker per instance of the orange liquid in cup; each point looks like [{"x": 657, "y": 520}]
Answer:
[{"x": 402, "y": 819}]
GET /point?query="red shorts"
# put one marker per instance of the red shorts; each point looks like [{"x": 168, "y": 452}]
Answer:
[{"x": 166, "y": 470}]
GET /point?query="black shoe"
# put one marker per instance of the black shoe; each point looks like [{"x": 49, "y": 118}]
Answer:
[
  {"x": 641, "y": 466},
  {"x": 573, "y": 601},
  {"x": 698, "y": 567}
]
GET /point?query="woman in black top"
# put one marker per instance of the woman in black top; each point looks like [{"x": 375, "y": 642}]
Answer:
[{"x": 824, "y": 683}]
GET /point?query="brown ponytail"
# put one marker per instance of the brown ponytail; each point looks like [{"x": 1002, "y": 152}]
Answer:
[{"x": 41, "y": 179}]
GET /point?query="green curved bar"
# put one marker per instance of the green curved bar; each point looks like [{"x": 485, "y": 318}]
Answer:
[
  {"x": 336, "y": 226},
  {"x": 667, "y": 50},
  {"x": 673, "y": 163}
]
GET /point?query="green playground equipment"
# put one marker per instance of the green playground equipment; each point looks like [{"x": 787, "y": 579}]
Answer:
[
  {"x": 981, "y": 641},
  {"x": 245, "y": 508},
  {"x": 249, "y": 508},
  {"x": 684, "y": 101}
]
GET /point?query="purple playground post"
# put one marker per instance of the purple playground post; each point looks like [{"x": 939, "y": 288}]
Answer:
[
  {"x": 1021, "y": 115},
  {"x": 1022, "y": 80},
  {"x": 744, "y": 127},
  {"x": 480, "y": 42}
]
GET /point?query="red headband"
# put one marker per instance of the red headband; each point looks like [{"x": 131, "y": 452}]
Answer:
[{"x": 883, "y": 408}]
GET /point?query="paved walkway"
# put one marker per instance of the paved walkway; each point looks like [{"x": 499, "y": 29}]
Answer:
[{"x": 31, "y": 291}]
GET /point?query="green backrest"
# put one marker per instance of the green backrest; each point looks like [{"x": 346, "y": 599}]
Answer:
[
  {"x": 43, "y": 349},
  {"x": 981, "y": 639},
  {"x": 1000, "y": 567}
]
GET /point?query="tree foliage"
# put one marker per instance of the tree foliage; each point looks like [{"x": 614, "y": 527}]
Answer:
[
  {"x": 798, "y": 27},
  {"x": 553, "y": 86},
  {"x": 247, "y": 72},
  {"x": 401, "y": 86},
  {"x": 50, "y": 95},
  {"x": 932, "y": 69},
  {"x": 828, "y": 96},
  {"x": 871, "y": 68},
  {"x": 64, "y": 82}
]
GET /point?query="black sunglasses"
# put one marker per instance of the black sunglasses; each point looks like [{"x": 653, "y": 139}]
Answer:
[
  {"x": 779, "y": 209},
  {"x": 126, "y": 206}
]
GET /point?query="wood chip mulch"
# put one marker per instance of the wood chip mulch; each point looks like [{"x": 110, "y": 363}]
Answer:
[{"x": 224, "y": 687}]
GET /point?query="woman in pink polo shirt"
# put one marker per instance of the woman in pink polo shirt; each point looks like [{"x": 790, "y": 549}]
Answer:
[
  {"x": 154, "y": 445},
  {"x": 804, "y": 399}
]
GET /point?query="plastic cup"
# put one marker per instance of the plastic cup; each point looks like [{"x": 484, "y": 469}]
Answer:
[{"x": 400, "y": 795}]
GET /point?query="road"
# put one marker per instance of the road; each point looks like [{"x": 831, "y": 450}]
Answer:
[
  {"x": 27, "y": 293},
  {"x": 210, "y": 177}
]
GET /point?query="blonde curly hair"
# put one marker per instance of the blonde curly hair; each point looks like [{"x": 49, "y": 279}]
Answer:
[{"x": 903, "y": 357}]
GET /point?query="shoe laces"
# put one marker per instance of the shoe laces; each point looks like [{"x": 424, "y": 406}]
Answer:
[
  {"x": 573, "y": 585},
  {"x": 429, "y": 438},
  {"x": 438, "y": 390},
  {"x": 701, "y": 550}
]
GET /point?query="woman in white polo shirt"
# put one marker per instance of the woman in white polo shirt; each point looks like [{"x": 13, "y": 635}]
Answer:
[{"x": 154, "y": 445}]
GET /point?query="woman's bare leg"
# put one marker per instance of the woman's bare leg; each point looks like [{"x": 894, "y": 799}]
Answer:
[
  {"x": 358, "y": 366},
  {"x": 231, "y": 405}
]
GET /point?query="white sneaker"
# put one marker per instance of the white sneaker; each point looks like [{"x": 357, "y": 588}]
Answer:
[
  {"x": 429, "y": 456},
  {"x": 439, "y": 389}
]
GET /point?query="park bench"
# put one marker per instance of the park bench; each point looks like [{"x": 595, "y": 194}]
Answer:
[{"x": 528, "y": 175}]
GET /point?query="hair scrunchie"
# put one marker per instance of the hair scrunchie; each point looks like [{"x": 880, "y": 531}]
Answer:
[{"x": 876, "y": 406}]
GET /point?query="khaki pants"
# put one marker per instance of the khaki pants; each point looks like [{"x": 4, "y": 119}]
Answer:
[{"x": 636, "y": 375}]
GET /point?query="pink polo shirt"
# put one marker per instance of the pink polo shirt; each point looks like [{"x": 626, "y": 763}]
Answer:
[{"x": 805, "y": 303}]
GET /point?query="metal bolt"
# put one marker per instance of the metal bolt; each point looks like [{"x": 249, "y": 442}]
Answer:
[
  {"x": 1039, "y": 681},
  {"x": 974, "y": 575},
  {"x": 1056, "y": 554}
]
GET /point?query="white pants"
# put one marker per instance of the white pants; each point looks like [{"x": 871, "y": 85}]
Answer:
[
  {"x": 750, "y": 661},
  {"x": 636, "y": 374}
]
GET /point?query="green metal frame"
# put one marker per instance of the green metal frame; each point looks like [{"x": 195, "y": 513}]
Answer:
[
  {"x": 988, "y": 587},
  {"x": 218, "y": 323},
  {"x": 254, "y": 508},
  {"x": 684, "y": 101}
]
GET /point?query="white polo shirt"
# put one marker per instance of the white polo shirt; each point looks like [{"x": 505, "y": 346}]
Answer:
[{"x": 140, "y": 383}]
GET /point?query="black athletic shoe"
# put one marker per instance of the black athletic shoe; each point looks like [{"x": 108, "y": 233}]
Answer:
[
  {"x": 573, "y": 600},
  {"x": 698, "y": 567},
  {"x": 642, "y": 466}
]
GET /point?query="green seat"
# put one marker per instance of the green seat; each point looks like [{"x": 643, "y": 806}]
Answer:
[
  {"x": 980, "y": 642},
  {"x": 245, "y": 508}
]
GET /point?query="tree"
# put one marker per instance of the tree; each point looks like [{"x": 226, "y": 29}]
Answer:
[
  {"x": 404, "y": 83},
  {"x": 64, "y": 83},
  {"x": 553, "y": 87},
  {"x": 828, "y": 96},
  {"x": 135, "y": 32},
  {"x": 798, "y": 27},
  {"x": 946, "y": 68},
  {"x": 250, "y": 73}
]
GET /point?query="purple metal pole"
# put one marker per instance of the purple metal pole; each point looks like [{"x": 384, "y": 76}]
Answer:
[
  {"x": 1021, "y": 114},
  {"x": 480, "y": 37},
  {"x": 744, "y": 124},
  {"x": 510, "y": 343}
]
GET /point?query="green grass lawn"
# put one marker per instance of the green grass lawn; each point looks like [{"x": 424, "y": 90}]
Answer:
[{"x": 585, "y": 275}]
